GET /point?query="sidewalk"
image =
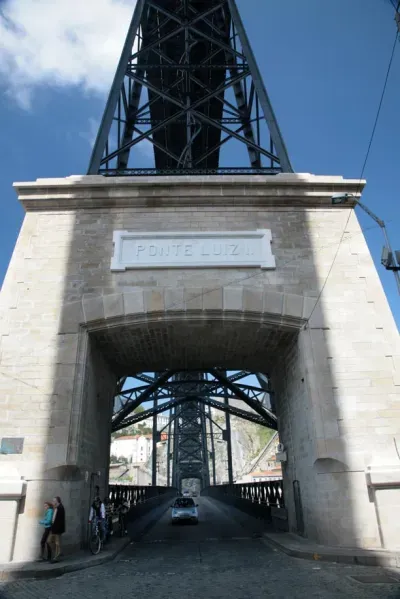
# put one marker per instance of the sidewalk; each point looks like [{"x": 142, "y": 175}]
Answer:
[
  {"x": 84, "y": 559},
  {"x": 77, "y": 561},
  {"x": 298, "y": 547}
]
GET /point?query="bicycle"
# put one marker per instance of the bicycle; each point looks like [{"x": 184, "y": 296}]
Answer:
[{"x": 96, "y": 540}]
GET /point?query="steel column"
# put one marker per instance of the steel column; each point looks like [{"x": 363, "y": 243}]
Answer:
[
  {"x": 105, "y": 126},
  {"x": 176, "y": 482},
  {"x": 154, "y": 454},
  {"x": 212, "y": 447},
  {"x": 187, "y": 54},
  {"x": 228, "y": 442},
  {"x": 169, "y": 447},
  {"x": 206, "y": 467},
  {"x": 265, "y": 102}
]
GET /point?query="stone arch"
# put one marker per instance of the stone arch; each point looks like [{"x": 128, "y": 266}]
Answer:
[{"x": 281, "y": 310}]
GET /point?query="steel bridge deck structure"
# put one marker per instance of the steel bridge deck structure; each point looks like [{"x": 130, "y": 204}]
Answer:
[{"x": 188, "y": 86}]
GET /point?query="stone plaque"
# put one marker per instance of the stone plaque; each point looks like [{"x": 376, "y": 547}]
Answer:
[
  {"x": 192, "y": 250},
  {"x": 11, "y": 445}
]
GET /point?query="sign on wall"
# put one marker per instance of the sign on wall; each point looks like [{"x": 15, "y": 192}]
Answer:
[
  {"x": 11, "y": 445},
  {"x": 192, "y": 250}
]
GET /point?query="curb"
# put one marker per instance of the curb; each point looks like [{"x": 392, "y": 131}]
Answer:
[
  {"x": 12, "y": 574},
  {"x": 333, "y": 554}
]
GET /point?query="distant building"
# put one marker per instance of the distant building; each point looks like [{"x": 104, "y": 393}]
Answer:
[
  {"x": 265, "y": 475},
  {"x": 162, "y": 421},
  {"x": 135, "y": 448},
  {"x": 273, "y": 471}
]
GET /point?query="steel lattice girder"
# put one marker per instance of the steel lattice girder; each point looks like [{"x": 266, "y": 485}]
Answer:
[
  {"x": 188, "y": 83},
  {"x": 234, "y": 411},
  {"x": 190, "y": 457},
  {"x": 179, "y": 389}
]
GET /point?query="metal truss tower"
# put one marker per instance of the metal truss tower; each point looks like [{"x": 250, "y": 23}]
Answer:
[
  {"x": 187, "y": 84},
  {"x": 188, "y": 398},
  {"x": 190, "y": 456}
]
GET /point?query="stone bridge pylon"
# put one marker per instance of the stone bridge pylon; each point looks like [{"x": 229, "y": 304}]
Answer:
[{"x": 192, "y": 266}]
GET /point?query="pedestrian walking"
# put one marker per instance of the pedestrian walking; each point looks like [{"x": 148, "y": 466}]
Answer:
[
  {"x": 46, "y": 522},
  {"x": 57, "y": 528},
  {"x": 123, "y": 510}
]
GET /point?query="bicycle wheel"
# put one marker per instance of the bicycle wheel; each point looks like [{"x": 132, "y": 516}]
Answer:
[{"x": 95, "y": 542}]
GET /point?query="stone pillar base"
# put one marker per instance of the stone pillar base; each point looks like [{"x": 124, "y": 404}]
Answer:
[{"x": 12, "y": 490}]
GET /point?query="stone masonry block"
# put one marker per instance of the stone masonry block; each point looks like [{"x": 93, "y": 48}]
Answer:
[
  {"x": 396, "y": 373},
  {"x": 316, "y": 317},
  {"x": 134, "y": 302},
  {"x": 174, "y": 299},
  {"x": 273, "y": 302},
  {"x": 154, "y": 300},
  {"x": 113, "y": 305},
  {"x": 212, "y": 299},
  {"x": 252, "y": 299},
  {"x": 293, "y": 305},
  {"x": 320, "y": 411},
  {"x": 193, "y": 298},
  {"x": 233, "y": 299},
  {"x": 308, "y": 306},
  {"x": 93, "y": 308}
]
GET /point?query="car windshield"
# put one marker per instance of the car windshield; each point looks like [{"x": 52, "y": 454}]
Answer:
[{"x": 184, "y": 502}]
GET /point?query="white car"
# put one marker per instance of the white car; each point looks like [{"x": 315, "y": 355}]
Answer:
[
  {"x": 185, "y": 510},
  {"x": 186, "y": 494}
]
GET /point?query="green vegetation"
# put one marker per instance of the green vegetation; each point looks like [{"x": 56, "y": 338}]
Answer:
[
  {"x": 264, "y": 434},
  {"x": 261, "y": 437}
]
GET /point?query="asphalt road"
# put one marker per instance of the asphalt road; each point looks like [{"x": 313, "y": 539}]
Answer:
[
  {"x": 223, "y": 557},
  {"x": 215, "y": 522}
]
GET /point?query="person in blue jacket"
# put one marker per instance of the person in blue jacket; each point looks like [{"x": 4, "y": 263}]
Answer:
[{"x": 46, "y": 522}]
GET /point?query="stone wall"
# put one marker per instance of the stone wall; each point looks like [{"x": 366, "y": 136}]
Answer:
[{"x": 70, "y": 326}]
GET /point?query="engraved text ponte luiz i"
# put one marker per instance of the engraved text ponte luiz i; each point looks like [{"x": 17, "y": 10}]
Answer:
[{"x": 201, "y": 250}]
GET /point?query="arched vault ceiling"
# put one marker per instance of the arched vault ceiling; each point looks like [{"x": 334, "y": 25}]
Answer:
[{"x": 187, "y": 345}]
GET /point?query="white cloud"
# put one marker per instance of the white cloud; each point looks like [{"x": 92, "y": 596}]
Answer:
[
  {"x": 90, "y": 133},
  {"x": 61, "y": 43}
]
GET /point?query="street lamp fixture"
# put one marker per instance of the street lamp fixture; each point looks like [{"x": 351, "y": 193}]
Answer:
[{"x": 389, "y": 258}]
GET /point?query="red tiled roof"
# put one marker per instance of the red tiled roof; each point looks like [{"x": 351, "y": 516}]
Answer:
[
  {"x": 130, "y": 437},
  {"x": 273, "y": 472}
]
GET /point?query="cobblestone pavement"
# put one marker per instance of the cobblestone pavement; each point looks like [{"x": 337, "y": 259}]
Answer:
[{"x": 221, "y": 558}]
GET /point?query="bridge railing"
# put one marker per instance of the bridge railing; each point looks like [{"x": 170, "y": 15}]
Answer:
[
  {"x": 263, "y": 500},
  {"x": 134, "y": 494},
  {"x": 141, "y": 500}
]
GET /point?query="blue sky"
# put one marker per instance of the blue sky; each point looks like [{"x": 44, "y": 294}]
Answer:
[{"x": 323, "y": 63}]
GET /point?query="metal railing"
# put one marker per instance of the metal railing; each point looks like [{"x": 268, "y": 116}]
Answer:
[
  {"x": 264, "y": 500},
  {"x": 142, "y": 501},
  {"x": 134, "y": 494},
  {"x": 267, "y": 493}
]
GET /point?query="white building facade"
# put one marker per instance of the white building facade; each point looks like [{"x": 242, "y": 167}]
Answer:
[
  {"x": 135, "y": 448},
  {"x": 162, "y": 421}
]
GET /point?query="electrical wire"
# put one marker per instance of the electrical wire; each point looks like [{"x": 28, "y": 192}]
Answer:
[
  {"x": 342, "y": 239},
  {"x": 229, "y": 283},
  {"x": 361, "y": 175},
  {"x": 258, "y": 274},
  {"x": 254, "y": 275}
]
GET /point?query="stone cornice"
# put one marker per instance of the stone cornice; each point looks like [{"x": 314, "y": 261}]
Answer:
[{"x": 283, "y": 190}]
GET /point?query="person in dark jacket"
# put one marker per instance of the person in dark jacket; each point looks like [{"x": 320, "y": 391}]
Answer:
[
  {"x": 46, "y": 522},
  {"x": 57, "y": 528}
]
